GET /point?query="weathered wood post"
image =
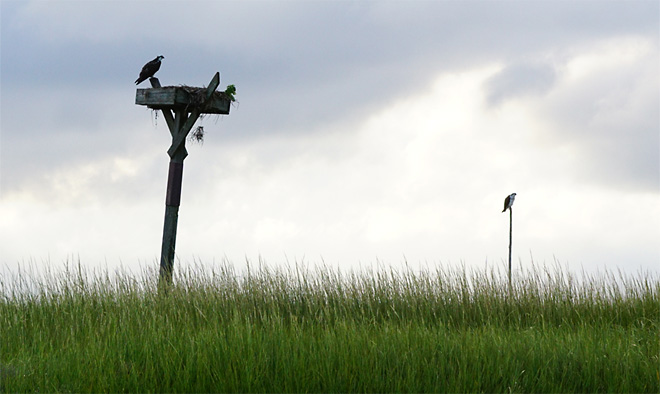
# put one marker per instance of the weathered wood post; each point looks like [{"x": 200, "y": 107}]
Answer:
[
  {"x": 172, "y": 203},
  {"x": 187, "y": 104}
]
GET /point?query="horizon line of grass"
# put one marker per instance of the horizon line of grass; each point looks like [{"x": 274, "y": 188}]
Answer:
[{"x": 444, "y": 296}]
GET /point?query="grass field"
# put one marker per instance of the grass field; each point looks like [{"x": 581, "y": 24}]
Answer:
[{"x": 324, "y": 330}]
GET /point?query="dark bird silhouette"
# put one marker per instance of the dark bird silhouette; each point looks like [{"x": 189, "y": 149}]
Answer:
[
  {"x": 149, "y": 69},
  {"x": 508, "y": 201}
]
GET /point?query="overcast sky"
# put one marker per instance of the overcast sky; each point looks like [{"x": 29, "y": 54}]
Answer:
[{"x": 364, "y": 132}]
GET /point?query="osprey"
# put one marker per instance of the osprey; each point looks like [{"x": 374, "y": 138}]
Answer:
[
  {"x": 508, "y": 201},
  {"x": 149, "y": 69}
]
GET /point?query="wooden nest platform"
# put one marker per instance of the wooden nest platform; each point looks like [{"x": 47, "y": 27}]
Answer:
[{"x": 184, "y": 97}]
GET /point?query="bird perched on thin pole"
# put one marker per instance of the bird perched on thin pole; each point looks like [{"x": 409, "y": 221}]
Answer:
[
  {"x": 149, "y": 69},
  {"x": 508, "y": 204},
  {"x": 508, "y": 201}
]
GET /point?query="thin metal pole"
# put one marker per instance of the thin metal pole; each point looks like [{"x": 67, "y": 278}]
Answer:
[{"x": 510, "y": 242}]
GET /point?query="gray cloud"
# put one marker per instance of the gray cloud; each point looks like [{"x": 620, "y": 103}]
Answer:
[
  {"x": 520, "y": 80},
  {"x": 297, "y": 65},
  {"x": 610, "y": 118}
]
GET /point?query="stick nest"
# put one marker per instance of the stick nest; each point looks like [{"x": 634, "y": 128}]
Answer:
[{"x": 197, "y": 95}]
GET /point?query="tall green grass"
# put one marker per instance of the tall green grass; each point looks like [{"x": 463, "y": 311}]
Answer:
[{"x": 296, "y": 329}]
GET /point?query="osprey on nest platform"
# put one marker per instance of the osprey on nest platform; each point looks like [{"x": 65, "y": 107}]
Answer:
[
  {"x": 508, "y": 201},
  {"x": 149, "y": 69}
]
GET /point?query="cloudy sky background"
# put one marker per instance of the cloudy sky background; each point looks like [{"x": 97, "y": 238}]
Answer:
[{"x": 365, "y": 132}]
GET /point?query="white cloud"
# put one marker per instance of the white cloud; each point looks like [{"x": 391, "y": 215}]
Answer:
[{"x": 424, "y": 178}]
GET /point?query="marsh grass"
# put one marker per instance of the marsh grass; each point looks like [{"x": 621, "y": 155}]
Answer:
[{"x": 296, "y": 329}]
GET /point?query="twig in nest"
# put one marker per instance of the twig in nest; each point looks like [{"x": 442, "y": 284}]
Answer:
[{"x": 197, "y": 135}]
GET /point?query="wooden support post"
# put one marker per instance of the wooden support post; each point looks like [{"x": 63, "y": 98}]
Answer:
[
  {"x": 186, "y": 113},
  {"x": 172, "y": 203},
  {"x": 179, "y": 139}
]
